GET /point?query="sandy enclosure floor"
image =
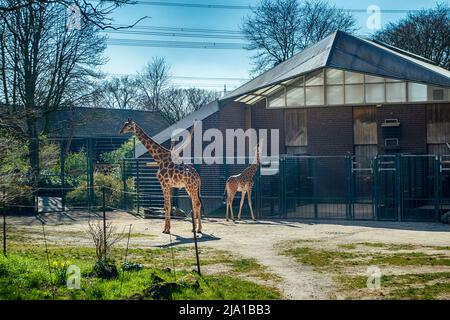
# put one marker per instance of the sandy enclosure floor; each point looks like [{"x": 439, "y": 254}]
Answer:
[{"x": 258, "y": 240}]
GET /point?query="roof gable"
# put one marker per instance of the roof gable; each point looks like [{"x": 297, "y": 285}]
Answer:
[{"x": 343, "y": 51}]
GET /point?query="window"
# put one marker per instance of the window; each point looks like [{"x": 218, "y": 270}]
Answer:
[
  {"x": 354, "y": 93},
  {"x": 375, "y": 92},
  {"x": 277, "y": 100},
  {"x": 373, "y": 79},
  {"x": 314, "y": 79},
  {"x": 335, "y": 95},
  {"x": 335, "y": 76},
  {"x": 314, "y": 96},
  {"x": 417, "y": 92},
  {"x": 353, "y": 77},
  {"x": 395, "y": 92},
  {"x": 295, "y": 97}
]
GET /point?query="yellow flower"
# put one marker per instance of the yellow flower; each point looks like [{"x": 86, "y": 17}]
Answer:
[{"x": 55, "y": 263}]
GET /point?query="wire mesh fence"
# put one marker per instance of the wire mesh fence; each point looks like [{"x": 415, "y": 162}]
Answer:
[{"x": 386, "y": 187}]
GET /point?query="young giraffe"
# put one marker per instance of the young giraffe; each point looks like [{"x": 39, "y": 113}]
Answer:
[
  {"x": 242, "y": 182},
  {"x": 170, "y": 174}
]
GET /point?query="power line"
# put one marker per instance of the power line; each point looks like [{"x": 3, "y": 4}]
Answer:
[
  {"x": 175, "y": 44},
  {"x": 176, "y": 34},
  {"x": 246, "y": 7},
  {"x": 182, "y": 29},
  {"x": 193, "y": 5},
  {"x": 188, "y": 77}
]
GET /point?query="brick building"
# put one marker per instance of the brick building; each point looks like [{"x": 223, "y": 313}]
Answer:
[{"x": 343, "y": 96}]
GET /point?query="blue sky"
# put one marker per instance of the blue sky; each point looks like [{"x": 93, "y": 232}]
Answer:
[{"x": 212, "y": 63}]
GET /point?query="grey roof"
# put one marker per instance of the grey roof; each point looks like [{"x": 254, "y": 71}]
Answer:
[
  {"x": 344, "y": 51},
  {"x": 101, "y": 122}
]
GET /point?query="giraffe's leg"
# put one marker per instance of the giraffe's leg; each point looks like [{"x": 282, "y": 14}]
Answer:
[
  {"x": 167, "y": 208},
  {"x": 241, "y": 204},
  {"x": 226, "y": 215},
  {"x": 196, "y": 208},
  {"x": 249, "y": 198},
  {"x": 230, "y": 203}
]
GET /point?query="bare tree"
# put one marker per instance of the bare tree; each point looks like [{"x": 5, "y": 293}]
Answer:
[
  {"x": 153, "y": 81},
  {"x": 95, "y": 12},
  {"x": 178, "y": 102},
  {"x": 44, "y": 67},
  {"x": 103, "y": 245},
  {"x": 425, "y": 33},
  {"x": 117, "y": 93},
  {"x": 277, "y": 29}
]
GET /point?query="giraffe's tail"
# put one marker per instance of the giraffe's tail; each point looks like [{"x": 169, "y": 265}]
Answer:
[
  {"x": 224, "y": 197},
  {"x": 202, "y": 208}
]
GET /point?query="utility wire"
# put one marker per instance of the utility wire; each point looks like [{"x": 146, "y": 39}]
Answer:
[
  {"x": 175, "y": 44},
  {"x": 175, "y": 34},
  {"x": 181, "y": 29},
  {"x": 247, "y": 7}
]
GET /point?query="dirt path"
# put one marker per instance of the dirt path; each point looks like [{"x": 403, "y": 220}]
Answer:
[{"x": 260, "y": 240}]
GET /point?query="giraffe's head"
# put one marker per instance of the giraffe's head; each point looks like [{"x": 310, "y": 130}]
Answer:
[{"x": 128, "y": 127}]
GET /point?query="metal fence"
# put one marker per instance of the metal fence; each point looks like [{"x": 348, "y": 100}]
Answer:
[{"x": 386, "y": 187}]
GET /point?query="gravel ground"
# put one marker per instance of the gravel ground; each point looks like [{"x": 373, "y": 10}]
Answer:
[{"x": 258, "y": 240}]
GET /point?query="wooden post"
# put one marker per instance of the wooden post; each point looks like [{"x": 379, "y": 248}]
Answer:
[
  {"x": 104, "y": 222},
  {"x": 4, "y": 221},
  {"x": 195, "y": 242}
]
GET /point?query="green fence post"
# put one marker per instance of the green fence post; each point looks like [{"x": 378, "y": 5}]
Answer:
[
  {"x": 281, "y": 183},
  {"x": 398, "y": 186},
  {"x": 138, "y": 200},
  {"x": 124, "y": 184},
  {"x": 437, "y": 180},
  {"x": 90, "y": 173},
  {"x": 62, "y": 176},
  {"x": 349, "y": 174},
  {"x": 258, "y": 193},
  {"x": 375, "y": 196},
  {"x": 314, "y": 187}
]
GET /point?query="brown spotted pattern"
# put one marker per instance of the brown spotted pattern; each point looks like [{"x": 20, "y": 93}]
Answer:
[
  {"x": 243, "y": 183},
  {"x": 170, "y": 175}
]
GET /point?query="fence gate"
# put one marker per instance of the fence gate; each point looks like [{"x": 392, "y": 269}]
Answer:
[
  {"x": 444, "y": 171},
  {"x": 361, "y": 186},
  {"x": 386, "y": 192},
  {"x": 419, "y": 185}
]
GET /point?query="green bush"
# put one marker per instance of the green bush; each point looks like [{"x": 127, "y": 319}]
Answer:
[{"x": 114, "y": 192}]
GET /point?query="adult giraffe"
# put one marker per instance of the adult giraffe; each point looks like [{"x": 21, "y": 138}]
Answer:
[{"x": 170, "y": 174}]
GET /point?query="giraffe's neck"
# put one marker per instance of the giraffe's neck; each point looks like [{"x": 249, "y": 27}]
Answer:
[
  {"x": 253, "y": 168},
  {"x": 158, "y": 152}
]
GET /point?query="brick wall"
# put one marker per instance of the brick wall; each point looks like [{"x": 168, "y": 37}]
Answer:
[
  {"x": 330, "y": 131},
  {"x": 413, "y": 127}
]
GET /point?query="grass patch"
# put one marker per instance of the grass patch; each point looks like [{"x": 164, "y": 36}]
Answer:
[
  {"x": 407, "y": 286},
  {"x": 25, "y": 275},
  {"x": 26, "y": 278},
  {"x": 343, "y": 264},
  {"x": 347, "y": 246}
]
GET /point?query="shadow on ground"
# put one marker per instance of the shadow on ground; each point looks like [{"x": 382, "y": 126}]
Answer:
[{"x": 179, "y": 240}]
